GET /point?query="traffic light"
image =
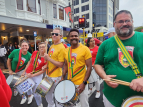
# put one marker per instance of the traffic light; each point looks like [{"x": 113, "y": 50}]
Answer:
[{"x": 82, "y": 22}]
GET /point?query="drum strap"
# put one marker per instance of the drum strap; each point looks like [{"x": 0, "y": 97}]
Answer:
[
  {"x": 71, "y": 63},
  {"x": 19, "y": 60},
  {"x": 35, "y": 63},
  {"x": 131, "y": 62}
]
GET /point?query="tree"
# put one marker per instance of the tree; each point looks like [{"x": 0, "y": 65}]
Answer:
[{"x": 139, "y": 29}]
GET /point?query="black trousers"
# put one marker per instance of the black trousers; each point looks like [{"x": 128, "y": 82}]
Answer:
[{"x": 3, "y": 60}]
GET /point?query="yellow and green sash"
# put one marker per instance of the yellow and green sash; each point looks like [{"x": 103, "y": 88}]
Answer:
[
  {"x": 35, "y": 63},
  {"x": 131, "y": 62},
  {"x": 71, "y": 63}
]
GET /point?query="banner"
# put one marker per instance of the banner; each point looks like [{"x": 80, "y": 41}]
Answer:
[{"x": 68, "y": 11}]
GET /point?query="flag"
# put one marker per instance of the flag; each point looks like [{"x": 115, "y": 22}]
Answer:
[{"x": 68, "y": 11}]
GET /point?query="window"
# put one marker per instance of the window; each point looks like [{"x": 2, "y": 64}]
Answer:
[
  {"x": 84, "y": 1},
  {"x": 39, "y": 7},
  {"x": 85, "y": 8},
  {"x": 20, "y": 4},
  {"x": 76, "y": 2},
  {"x": 76, "y": 18},
  {"x": 54, "y": 11},
  {"x": 87, "y": 25},
  {"x": 31, "y": 5},
  {"x": 61, "y": 12},
  {"x": 76, "y": 10}
]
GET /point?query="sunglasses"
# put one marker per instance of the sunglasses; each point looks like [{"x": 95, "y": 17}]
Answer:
[{"x": 55, "y": 34}]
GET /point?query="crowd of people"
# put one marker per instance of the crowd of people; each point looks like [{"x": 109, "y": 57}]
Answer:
[{"x": 119, "y": 57}]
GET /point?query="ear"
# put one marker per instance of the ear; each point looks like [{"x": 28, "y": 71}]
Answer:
[{"x": 61, "y": 36}]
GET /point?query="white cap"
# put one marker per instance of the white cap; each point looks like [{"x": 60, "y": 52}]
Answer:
[
  {"x": 109, "y": 31},
  {"x": 62, "y": 40},
  {"x": 89, "y": 35}
]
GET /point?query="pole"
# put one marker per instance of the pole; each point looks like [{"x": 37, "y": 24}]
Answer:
[
  {"x": 35, "y": 43},
  {"x": 84, "y": 35},
  {"x": 72, "y": 13}
]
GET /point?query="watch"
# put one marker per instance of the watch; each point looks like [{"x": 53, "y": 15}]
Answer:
[{"x": 84, "y": 82}]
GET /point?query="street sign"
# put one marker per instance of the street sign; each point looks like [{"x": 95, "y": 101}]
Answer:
[
  {"x": 100, "y": 34},
  {"x": 35, "y": 33}
]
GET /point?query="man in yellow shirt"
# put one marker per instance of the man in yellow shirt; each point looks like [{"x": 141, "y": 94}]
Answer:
[
  {"x": 55, "y": 63},
  {"x": 77, "y": 58}
]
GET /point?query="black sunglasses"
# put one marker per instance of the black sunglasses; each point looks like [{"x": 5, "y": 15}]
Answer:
[{"x": 55, "y": 34}]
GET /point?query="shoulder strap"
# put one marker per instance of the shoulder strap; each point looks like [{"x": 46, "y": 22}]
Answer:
[{"x": 131, "y": 62}]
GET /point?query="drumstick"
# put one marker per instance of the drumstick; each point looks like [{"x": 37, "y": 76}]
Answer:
[
  {"x": 122, "y": 83},
  {"x": 119, "y": 80},
  {"x": 8, "y": 72}
]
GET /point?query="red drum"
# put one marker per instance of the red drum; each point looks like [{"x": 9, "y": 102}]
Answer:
[{"x": 134, "y": 101}]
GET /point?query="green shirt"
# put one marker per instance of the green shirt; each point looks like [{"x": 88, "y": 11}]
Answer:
[
  {"x": 110, "y": 55},
  {"x": 14, "y": 56}
]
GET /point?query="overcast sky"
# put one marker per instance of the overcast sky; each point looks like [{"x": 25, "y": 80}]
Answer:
[{"x": 136, "y": 8}]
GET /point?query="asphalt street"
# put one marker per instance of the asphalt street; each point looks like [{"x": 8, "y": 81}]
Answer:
[{"x": 93, "y": 102}]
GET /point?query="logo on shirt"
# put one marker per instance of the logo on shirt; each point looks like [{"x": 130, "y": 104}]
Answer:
[
  {"x": 22, "y": 61},
  {"x": 51, "y": 52},
  {"x": 122, "y": 59},
  {"x": 38, "y": 62},
  {"x": 73, "y": 58}
]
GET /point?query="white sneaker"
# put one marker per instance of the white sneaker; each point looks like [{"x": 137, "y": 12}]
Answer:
[
  {"x": 15, "y": 92},
  {"x": 41, "y": 105},
  {"x": 30, "y": 99},
  {"x": 23, "y": 99},
  {"x": 89, "y": 91},
  {"x": 97, "y": 95}
]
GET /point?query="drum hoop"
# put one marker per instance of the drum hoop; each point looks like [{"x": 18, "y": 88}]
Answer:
[
  {"x": 130, "y": 97},
  {"x": 47, "y": 90},
  {"x": 74, "y": 93}
]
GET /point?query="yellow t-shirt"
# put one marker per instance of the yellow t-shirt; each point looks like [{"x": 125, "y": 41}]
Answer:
[
  {"x": 56, "y": 52},
  {"x": 79, "y": 56}
]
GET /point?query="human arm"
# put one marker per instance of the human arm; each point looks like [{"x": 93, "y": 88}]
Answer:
[
  {"x": 137, "y": 84},
  {"x": 30, "y": 75},
  {"x": 65, "y": 70},
  {"x": 88, "y": 72},
  {"x": 99, "y": 70},
  {"x": 9, "y": 66}
]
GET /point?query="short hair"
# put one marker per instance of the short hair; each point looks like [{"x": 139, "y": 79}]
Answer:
[
  {"x": 23, "y": 40},
  {"x": 88, "y": 40},
  {"x": 40, "y": 43},
  {"x": 123, "y": 11},
  {"x": 76, "y": 30},
  {"x": 61, "y": 31}
]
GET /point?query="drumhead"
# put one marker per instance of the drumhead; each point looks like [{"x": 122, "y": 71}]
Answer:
[
  {"x": 64, "y": 91},
  {"x": 9, "y": 79},
  {"x": 134, "y": 101}
]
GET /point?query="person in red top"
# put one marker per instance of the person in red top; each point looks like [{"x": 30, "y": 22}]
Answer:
[
  {"x": 93, "y": 77},
  {"x": 62, "y": 40},
  {"x": 97, "y": 41},
  {"x": 34, "y": 71},
  {"x": 5, "y": 91}
]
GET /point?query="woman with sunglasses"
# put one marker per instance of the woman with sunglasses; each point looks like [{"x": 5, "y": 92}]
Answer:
[
  {"x": 17, "y": 61},
  {"x": 93, "y": 77},
  {"x": 34, "y": 71}
]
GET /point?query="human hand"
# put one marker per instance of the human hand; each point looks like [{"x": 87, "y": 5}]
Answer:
[
  {"x": 111, "y": 84},
  {"x": 29, "y": 75},
  {"x": 137, "y": 84},
  {"x": 80, "y": 88},
  {"x": 46, "y": 56},
  {"x": 11, "y": 72},
  {"x": 44, "y": 67},
  {"x": 23, "y": 74}
]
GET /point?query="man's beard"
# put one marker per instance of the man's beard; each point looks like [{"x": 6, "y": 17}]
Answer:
[{"x": 124, "y": 34}]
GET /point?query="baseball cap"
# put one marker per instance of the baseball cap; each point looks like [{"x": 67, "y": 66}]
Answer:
[{"x": 109, "y": 31}]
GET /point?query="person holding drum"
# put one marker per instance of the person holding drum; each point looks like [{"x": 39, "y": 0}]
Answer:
[
  {"x": 34, "y": 71},
  {"x": 17, "y": 61},
  {"x": 77, "y": 58},
  {"x": 55, "y": 63},
  {"x": 93, "y": 77},
  {"x": 122, "y": 58}
]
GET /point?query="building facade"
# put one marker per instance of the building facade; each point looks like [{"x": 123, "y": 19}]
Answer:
[
  {"x": 19, "y": 18},
  {"x": 98, "y": 12}
]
